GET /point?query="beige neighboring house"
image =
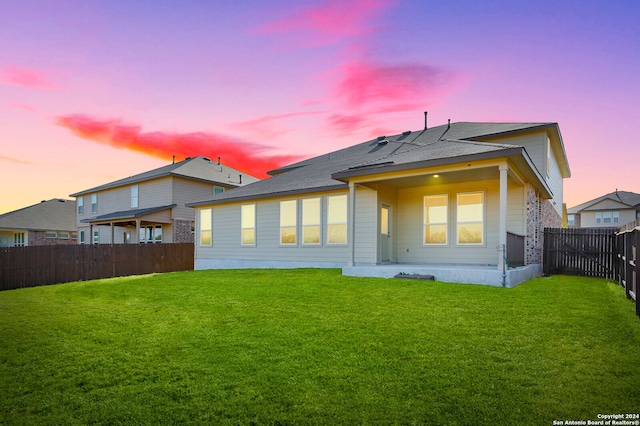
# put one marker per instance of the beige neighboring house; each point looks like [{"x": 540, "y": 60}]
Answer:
[
  {"x": 611, "y": 210},
  {"x": 441, "y": 201},
  {"x": 49, "y": 222},
  {"x": 150, "y": 207}
]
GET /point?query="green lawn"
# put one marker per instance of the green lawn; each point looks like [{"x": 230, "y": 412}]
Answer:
[{"x": 314, "y": 347}]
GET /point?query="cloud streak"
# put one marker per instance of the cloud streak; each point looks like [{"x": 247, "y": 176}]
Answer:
[
  {"x": 14, "y": 160},
  {"x": 245, "y": 156},
  {"x": 328, "y": 22},
  {"x": 27, "y": 78},
  {"x": 400, "y": 87}
]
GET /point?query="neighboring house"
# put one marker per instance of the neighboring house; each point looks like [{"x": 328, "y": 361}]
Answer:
[
  {"x": 150, "y": 207},
  {"x": 611, "y": 210},
  {"x": 439, "y": 196},
  {"x": 49, "y": 222}
]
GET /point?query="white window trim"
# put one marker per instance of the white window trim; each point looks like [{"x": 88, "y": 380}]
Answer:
[
  {"x": 484, "y": 220},
  {"x": 201, "y": 229},
  {"x": 346, "y": 222},
  {"x": 135, "y": 197},
  {"x": 295, "y": 226},
  {"x": 424, "y": 224},
  {"x": 254, "y": 227},
  {"x": 303, "y": 225},
  {"x": 80, "y": 204}
]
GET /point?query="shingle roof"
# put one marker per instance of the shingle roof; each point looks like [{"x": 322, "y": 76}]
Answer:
[
  {"x": 442, "y": 142},
  {"x": 631, "y": 199},
  {"x": 51, "y": 215},
  {"x": 197, "y": 168}
]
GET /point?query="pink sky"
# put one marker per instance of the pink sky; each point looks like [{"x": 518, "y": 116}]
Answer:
[{"x": 92, "y": 92}]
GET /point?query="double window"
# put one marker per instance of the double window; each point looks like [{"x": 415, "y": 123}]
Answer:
[
  {"x": 151, "y": 234},
  {"x": 18, "y": 239},
  {"x": 469, "y": 219},
  {"x": 607, "y": 217}
]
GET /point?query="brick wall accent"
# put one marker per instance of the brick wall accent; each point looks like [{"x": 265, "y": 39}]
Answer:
[
  {"x": 38, "y": 238},
  {"x": 540, "y": 214},
  {"x": 183, "y": 231}
]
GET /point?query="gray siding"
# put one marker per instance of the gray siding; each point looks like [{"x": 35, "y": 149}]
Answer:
[
  {"x": 410, "y": 218},
  {"x": 226, "y": 235},
  {"x": 367, "y": 226}
]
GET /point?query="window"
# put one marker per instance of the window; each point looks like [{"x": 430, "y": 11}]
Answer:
[
  {"x": 51, "y": 234},
  {"x": 74, "y": 235},
  {"x": 571, "y": 219},
  {"x": 311, "y": 221},
  {"x": 607, "y": 217},
  {"x": 18, "y": 239},
  {"x": 96, "y": 236},
  {"x": 288, "y": 222},
  {"x": 94, "y": 203},
  {"x": 81, "y": 237},
  {"x": 134, "y": 196},
  {"x": 470, "y": 211},
  {"x": 337, "y": 219},
  {"x": 218, "y": 190},
  {"x": 248, "y": 224},
  {"x": 151, "y": 234},
  {"x": 63, "y": 235},
  {"x": 80, "y": 203},
  {"x": 205, "y": 227},
  {"x": 435, "y": 213}
]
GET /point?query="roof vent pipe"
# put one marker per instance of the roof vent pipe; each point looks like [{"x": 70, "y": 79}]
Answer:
[
  {"x": 240, "y": 178},
  {"x": 448, "y": 123},
  {"x": 218, "y": 161},
  {"x": 425, "y": 120}
]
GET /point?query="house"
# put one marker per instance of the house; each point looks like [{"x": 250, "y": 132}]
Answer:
[
  {"x": 439, "y": 201},
  {"x": 50, "y": 222},
  {"x": 150, "y": 207},
  {"x": 611, "y": 210}
]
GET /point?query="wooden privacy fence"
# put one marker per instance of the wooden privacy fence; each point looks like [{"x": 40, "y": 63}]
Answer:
[
  {"x": 42, "y": 265},
  {"x": 587, "y": 252},
  {"x": 628, "y": 267},
  {"x": 596, "y": 252}
]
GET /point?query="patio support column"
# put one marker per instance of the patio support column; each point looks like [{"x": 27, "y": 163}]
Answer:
[
  {"x": 112, "y": 232},
  {"x": 352, "y": 223},
  {"x": 502, "y": 236},
  {"x": 137, "y": 231}
]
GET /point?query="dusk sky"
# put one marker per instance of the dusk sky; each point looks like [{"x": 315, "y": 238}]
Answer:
[{"x": 94, "y": 91}]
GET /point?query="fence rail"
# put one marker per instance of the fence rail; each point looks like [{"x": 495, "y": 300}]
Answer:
[{"x": 43, "y": 265}]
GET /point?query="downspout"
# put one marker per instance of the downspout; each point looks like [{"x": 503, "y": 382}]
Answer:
[
  {"x": 502, "y": 236},
  {"x": 352, "y": 227}
]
